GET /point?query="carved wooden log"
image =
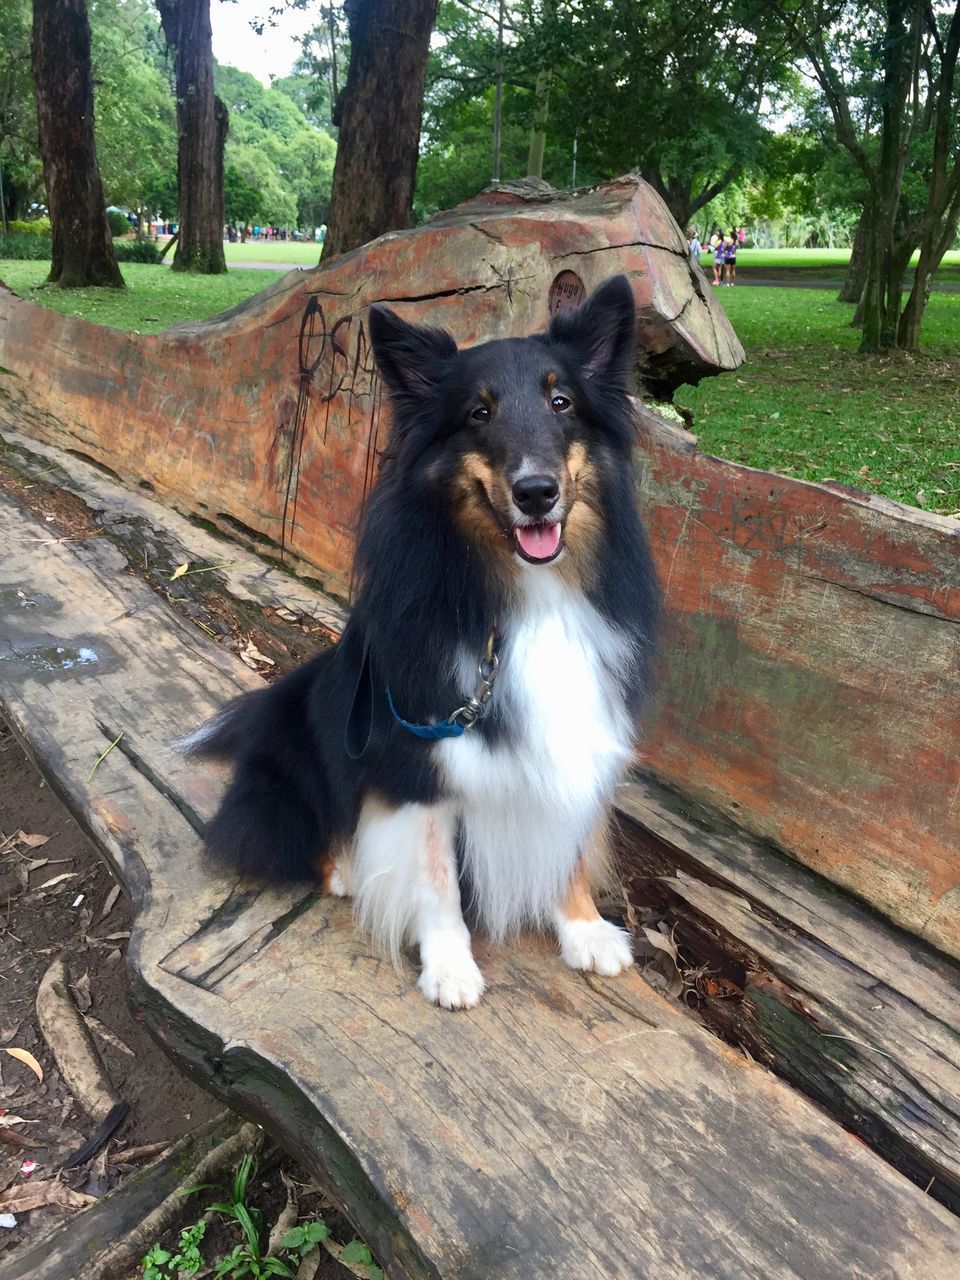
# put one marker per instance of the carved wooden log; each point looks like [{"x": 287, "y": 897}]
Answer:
[
  {"x": 563, "y": 1128},
  {"x": 808, "y": 684},
  {"x": 266, "y": 420}
]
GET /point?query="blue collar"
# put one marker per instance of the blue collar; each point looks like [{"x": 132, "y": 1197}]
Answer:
[
  {"x": 464, "y": 717},
  {"x": 432, "y": 732}
]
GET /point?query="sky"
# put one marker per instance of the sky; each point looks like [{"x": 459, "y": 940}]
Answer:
[{"x": 266, "y": 56}]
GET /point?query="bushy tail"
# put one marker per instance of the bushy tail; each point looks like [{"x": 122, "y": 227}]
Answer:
[
  {"x": 222, "y": 737},
  {"x": 275, "y": 818}
]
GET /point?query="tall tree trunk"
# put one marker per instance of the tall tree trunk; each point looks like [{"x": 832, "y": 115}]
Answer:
[
  {"x": 202, "y": 122},
  {"x": 538, "y": 131},
  {"x": 83, "y": 251},
  {"x": 879, "y": 320},
  {"x": 376, "y": 165},
  {"x": 940, "y": 218},
  {"x": 852, "y": 288}
]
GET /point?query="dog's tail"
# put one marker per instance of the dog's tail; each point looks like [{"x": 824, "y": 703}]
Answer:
[
  {"x": 277, "y": 815},
  {"x": 223, "y": 735}
]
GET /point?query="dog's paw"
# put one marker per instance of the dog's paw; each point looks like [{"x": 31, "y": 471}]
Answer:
[
  {"x": 454, "y": 982},
  {"x": 596, "y": 945}
]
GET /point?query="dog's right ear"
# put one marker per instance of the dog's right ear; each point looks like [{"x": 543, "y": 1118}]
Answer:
[{"x": 412, "y": 357}]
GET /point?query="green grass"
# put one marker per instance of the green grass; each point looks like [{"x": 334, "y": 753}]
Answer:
[
  {"x": 820, "y": 265},
  {"x": 154, "y": 299},
  {"x": 807, "y": 404},
  {"x": 301, "y": 252}
]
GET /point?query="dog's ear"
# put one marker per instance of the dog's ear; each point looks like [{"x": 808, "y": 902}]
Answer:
[
  {"x": 412, "y": 357},
  {"x": 601, "y": 331}
]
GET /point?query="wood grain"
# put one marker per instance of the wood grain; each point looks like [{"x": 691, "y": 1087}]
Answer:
[
  {"x": 558, "y": 1129},
  {"x": 851, "y": 1010}
]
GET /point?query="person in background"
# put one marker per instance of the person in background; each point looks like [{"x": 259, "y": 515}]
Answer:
[
  {"x": 730, "y": 246},
  {"x": 719, "y": 258},
  {"x": 694, "y": 247}
]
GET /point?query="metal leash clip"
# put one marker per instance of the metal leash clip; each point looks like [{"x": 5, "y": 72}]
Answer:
[{"x": 474, "y": 707}]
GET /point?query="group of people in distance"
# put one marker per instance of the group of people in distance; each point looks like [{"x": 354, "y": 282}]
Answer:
[{"x": 724, "y": 249}]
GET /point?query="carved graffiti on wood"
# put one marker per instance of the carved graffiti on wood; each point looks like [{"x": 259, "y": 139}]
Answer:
[{"x": 334, "y": 359}]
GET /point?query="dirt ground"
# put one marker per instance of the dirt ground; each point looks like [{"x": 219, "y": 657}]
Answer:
[
  {"x": 53, "y": 897},
  {"x": 56, "y": 898}
]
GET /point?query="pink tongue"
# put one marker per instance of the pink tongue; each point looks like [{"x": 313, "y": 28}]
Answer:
[{"x": 539, "y": 541}]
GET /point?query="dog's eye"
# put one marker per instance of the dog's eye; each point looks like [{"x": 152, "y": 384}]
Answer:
[
  {"x": 559, "y": 403},
  {"x": 480, "y": 414}
]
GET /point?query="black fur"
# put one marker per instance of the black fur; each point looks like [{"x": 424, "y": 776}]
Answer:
[{"x": 426, "y": 588}]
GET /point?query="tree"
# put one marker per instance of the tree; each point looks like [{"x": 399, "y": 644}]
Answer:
[
  {"x": 276, "y": 149},
  {"x": 243, "y": 202},
  {"x": 21, "y": 174},
  {"x": 620, "y": 84},
  {"x": 888, "y": 74},
  {"x": 83, "y": 251},
  {"x": 938, "y": 222},
  {"x": 135, "y": 110},
  {"x": 379, "y": 120},
  {"x": 647, "y": 86},
  {"x": 202, "y": 122}
]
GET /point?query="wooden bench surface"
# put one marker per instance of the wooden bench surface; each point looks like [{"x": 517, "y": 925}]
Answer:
[{"x": 565, "y": 1127}]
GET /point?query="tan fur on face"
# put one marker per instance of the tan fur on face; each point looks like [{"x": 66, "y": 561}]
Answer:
[
  {"x": 477, "y": 480},
  {"x": 583, "y": 526}
]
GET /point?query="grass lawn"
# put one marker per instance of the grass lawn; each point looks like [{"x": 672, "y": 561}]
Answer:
[
  {"x": 807, "y": 404},
  {"x": 301, "y": 252},
  {"x": 821, "y": 265},
  {"x": 154, "y": 299}
]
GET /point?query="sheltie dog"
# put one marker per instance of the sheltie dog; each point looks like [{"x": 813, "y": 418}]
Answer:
[{"x": 457, "y": 751}]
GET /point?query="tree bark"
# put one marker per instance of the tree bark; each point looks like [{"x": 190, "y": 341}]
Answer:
[
  {"x": 202, "y": 122},
  {"x": 853, "y": 282},
  {"x": 83, "y": 251},
  {"x": 933, "y": 245},
  {"x": 376, "y": 165},
  {"x": 538, "y": 132}
]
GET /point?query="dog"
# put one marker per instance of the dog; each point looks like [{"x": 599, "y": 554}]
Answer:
[{"x": 457, "y": 752}]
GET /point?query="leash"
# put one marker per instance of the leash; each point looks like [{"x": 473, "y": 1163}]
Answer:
[{"x": 369, "y": 721}]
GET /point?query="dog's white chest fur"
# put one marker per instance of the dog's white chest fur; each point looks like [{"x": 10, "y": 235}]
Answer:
[{"x": 528, "y": 809}]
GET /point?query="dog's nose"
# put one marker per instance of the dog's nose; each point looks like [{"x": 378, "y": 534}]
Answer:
[{"x": 536, "y": 495}]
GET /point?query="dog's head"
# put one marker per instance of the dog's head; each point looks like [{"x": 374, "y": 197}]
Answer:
[{"x": 518, "y": 432}]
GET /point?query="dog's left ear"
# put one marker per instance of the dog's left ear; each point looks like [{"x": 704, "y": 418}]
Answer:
[
  {"x": 601, "y": 330},
  {"x": 412, "y": 357}
]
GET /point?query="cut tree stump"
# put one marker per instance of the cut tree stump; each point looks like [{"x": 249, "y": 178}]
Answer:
[{"x": 565, "y": 1127}]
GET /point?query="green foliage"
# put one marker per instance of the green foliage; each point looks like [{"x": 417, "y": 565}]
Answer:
[
  {"x": 274, "y": 150},
  {"x": 118, "y": 223},
  {"x": 160, "y": 1263},
  {"x": 133, "y": 102},
  {"x": 19, "y": 150},
  {"x": 639, "y": 86},
  {"x": 144, "y": 251},
  {"x": 34, "y": 227},
  {"x": 242, "y": 202},
  {"x": 247, "y": 1258},
  {"x": 26, "y": 248}
]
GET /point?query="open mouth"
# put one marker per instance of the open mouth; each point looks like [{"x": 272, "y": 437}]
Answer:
[{"x": 538, "y": 543}]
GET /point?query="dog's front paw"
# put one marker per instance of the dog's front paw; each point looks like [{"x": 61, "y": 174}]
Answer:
[
  {"x": 453, "y": 981},
  {"x": 596, "y": 945}
]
